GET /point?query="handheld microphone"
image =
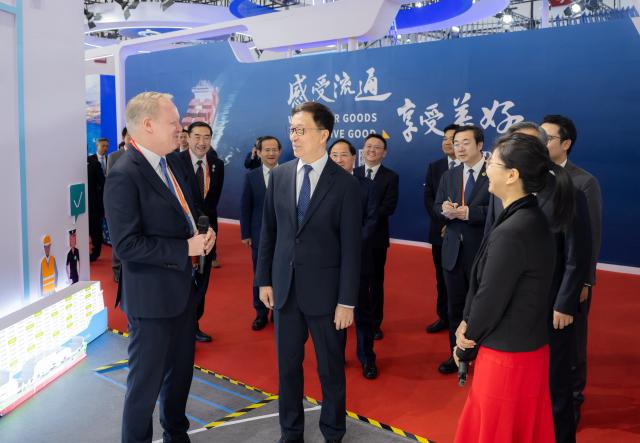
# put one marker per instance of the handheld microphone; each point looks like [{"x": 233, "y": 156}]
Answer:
[
  {"x": 462, "y": 373},
  {"x": 203, "y": 228}
]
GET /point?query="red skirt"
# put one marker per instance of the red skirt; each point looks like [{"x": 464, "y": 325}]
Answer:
[{"x": 509, "y": 399}]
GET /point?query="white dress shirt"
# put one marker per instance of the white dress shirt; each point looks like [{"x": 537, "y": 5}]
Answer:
[
  {"x": 374, "y": 170},
  {"x": 195, "y": 159},
  {"x": 314, "y": 174},
  {"x": 266, "y": 172},
  {"x": 154, "y": 161}
]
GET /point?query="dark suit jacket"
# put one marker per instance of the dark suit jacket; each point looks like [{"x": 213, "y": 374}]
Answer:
[
  {"x": 471, "y": 231},
  {"x": 113, "y": 158},
  {"x": 95, "y": 187},
  {"x": 251, "y": 206},
  {"x": 324, "y": 252},
  {"x": 387, "y": 187},
  {"x": 572, "y": 246},
  {"x": 508, "y": 303},
  {"x": 149, "y": 232},
  {"x": 209, "y": 205},
  {"x": 590, "y": 187},
  {"x": 431, "y": 182}
]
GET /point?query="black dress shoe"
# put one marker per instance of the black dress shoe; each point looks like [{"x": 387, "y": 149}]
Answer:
[
  {"x": 202, "y": 337},
  {"x": 448, "y": 367},
  {"x": 259, "y": 323},
  {"x": 370, "y": 371},
  {"x": 437, "y": 326},
  {"x": 284, "y": 440},
  {"x": 378, "y": 335}
]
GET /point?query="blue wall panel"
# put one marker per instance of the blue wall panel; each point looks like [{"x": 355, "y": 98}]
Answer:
[{"x": 588, "y": 72}]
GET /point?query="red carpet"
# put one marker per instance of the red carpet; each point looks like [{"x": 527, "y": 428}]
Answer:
[{"x": 410, "y": 394}]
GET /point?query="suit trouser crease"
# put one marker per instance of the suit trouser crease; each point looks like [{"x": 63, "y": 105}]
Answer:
[
  {"x": 261, "y": 309},
  {"x": 161, "y": 352},
  {"x": 562, "y": 345},
  {"x": 457, "y": 282},
  {"x": 377, "y": 285},
  {"x": 292, "y": 329},
  {"x": 442, "y": 308}
]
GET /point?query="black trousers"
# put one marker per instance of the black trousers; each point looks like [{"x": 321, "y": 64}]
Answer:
[
  {"x": 261, "y": 309},
  {"x": 562, "y": 345},
  {"x": 442, "y": 307},
  {"x": 95, "y": 233},
  {"x": 365, "y": 323},
  {"x": 457, "y": 282},
  {"x": 202, "y": 284},
  {"x": 292, "y": 329},
  {"x": 160, "y": 363},
  {"x": 579, "y": 366},
  {"x": 379, "y": 257}
]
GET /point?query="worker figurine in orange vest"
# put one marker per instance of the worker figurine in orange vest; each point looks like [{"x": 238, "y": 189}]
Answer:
[{"x": 48, "y": 269}]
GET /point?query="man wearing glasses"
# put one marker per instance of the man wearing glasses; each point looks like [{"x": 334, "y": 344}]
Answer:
[
  {"x": 386, "y": 183},
  {"x": 562, "y": 135},
  {"x": 461, "y": 201},
  {"x": 308, "y": 269}
]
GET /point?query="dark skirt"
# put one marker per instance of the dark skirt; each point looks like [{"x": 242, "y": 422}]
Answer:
[{"x": 509, "y": 399}]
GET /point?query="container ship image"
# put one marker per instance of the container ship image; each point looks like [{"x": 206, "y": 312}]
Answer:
[{"x": 203, "y": 105}]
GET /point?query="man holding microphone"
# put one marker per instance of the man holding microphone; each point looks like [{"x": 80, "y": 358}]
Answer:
[{"x": 153, "y": 223}]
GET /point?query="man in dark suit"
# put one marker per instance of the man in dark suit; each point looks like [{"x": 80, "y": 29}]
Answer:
[
  {"x": 96, "y": 171},
  {"x": 308, "y": 268},
  {"x": 111, "y": 161},
  {"x": 461, "y": 201},
  {"x": 251, "y": 205},
  {"x": 562, "y": 136},
  {"x": 206, "y": 177},
  {"x": 386, "y": 184},
  {"x": 436, "y": 226},
  {"x": 344, "y": 154},
  {"x": 152, "y": 218}
]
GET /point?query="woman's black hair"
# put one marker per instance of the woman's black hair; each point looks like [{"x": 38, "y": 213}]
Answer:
[{"x": 531, "y": 158}]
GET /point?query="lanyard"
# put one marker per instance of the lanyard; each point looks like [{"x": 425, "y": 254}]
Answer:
[{"x": 176, "y": 186}]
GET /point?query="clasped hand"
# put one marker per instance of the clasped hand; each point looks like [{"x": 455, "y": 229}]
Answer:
[
  {"x": 452, "y": 210},
  {"x": 202, "y": 244},
  {"x": 462, "y": 342}
]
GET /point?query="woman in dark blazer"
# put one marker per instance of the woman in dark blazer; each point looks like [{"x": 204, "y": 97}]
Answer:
[{"x": 508, "y": 306}]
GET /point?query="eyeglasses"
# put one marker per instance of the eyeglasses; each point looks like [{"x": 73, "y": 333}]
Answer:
[
  {"x": 301, "y": 131},
  {"x": 551, "y": 137}
]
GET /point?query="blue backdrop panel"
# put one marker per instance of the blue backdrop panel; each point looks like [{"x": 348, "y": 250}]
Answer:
[
  {"x": 108, "y": 124},
  {"x": 588, "y": 72}
]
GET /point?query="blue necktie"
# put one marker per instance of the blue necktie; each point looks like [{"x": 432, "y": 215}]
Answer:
[
  {"x": 305, "y": 194},
  {"x": 468, "y": 189},
  {"x": 169, "y": 183},
  {"x": 452, "y": 163},
  {"x": 369, "y": 174}
]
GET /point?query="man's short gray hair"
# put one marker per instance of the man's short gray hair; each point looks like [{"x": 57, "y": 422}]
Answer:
[
  {"x": 542, "y": 135},
  {"x": 143, "y": 105}
]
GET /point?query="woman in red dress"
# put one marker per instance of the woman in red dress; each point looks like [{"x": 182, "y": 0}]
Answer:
[{"x": 508, "y": 306}]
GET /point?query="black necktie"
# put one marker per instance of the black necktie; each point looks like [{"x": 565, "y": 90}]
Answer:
[
  {"x": 468, "y": 189},
  {"x": 369, "y": 174},
  {"x": 452, "y": 163},
  {"x": 200, "y": 177}
]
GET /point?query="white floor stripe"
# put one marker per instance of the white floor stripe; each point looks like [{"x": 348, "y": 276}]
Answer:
[{"x": 244, "y": 420}]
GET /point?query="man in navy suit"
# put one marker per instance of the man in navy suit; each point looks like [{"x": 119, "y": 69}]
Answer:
[
  {"x": 436, "y": 226},
  {"x": 268, "y": 151},
  {"x": 308, "y": 269},
  {"x": 344, "y": 154},
  {"x": 206, "y": 177},
  {"x": 386, "y": 184},
  {"x": 152, "y": 218},
  {"x": 461, "y": 201},
  {"x": 96, "y": 172}
]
